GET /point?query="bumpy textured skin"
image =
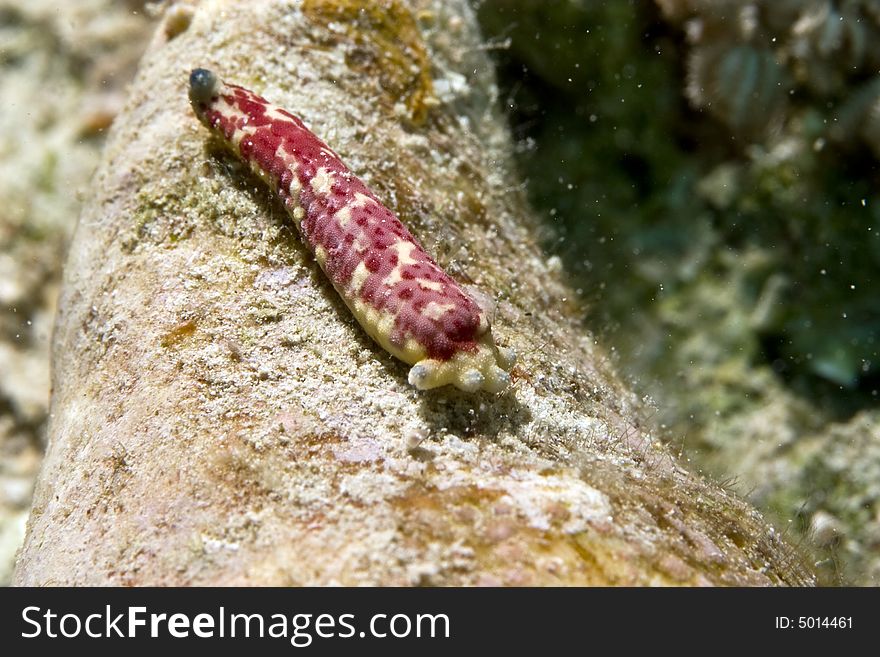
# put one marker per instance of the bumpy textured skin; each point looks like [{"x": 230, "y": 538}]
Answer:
[{"x": 398, "y": 294}]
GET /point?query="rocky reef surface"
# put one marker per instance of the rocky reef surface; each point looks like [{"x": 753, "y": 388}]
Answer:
[
  {"x": 63, "y": 70},
  {"x": 710, "y": 169}
]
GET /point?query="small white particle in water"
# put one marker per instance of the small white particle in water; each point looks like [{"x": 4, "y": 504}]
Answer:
[{"x": 415, "y": 437}]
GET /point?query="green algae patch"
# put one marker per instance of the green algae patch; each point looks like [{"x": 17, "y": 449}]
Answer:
[{"x": 384, "y": 41}]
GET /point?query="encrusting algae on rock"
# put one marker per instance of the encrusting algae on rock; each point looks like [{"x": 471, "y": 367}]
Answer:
[{"x": 395, "y": 290}]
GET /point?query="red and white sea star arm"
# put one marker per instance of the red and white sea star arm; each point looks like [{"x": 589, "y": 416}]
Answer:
[{"x": 398, "y": 294}]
